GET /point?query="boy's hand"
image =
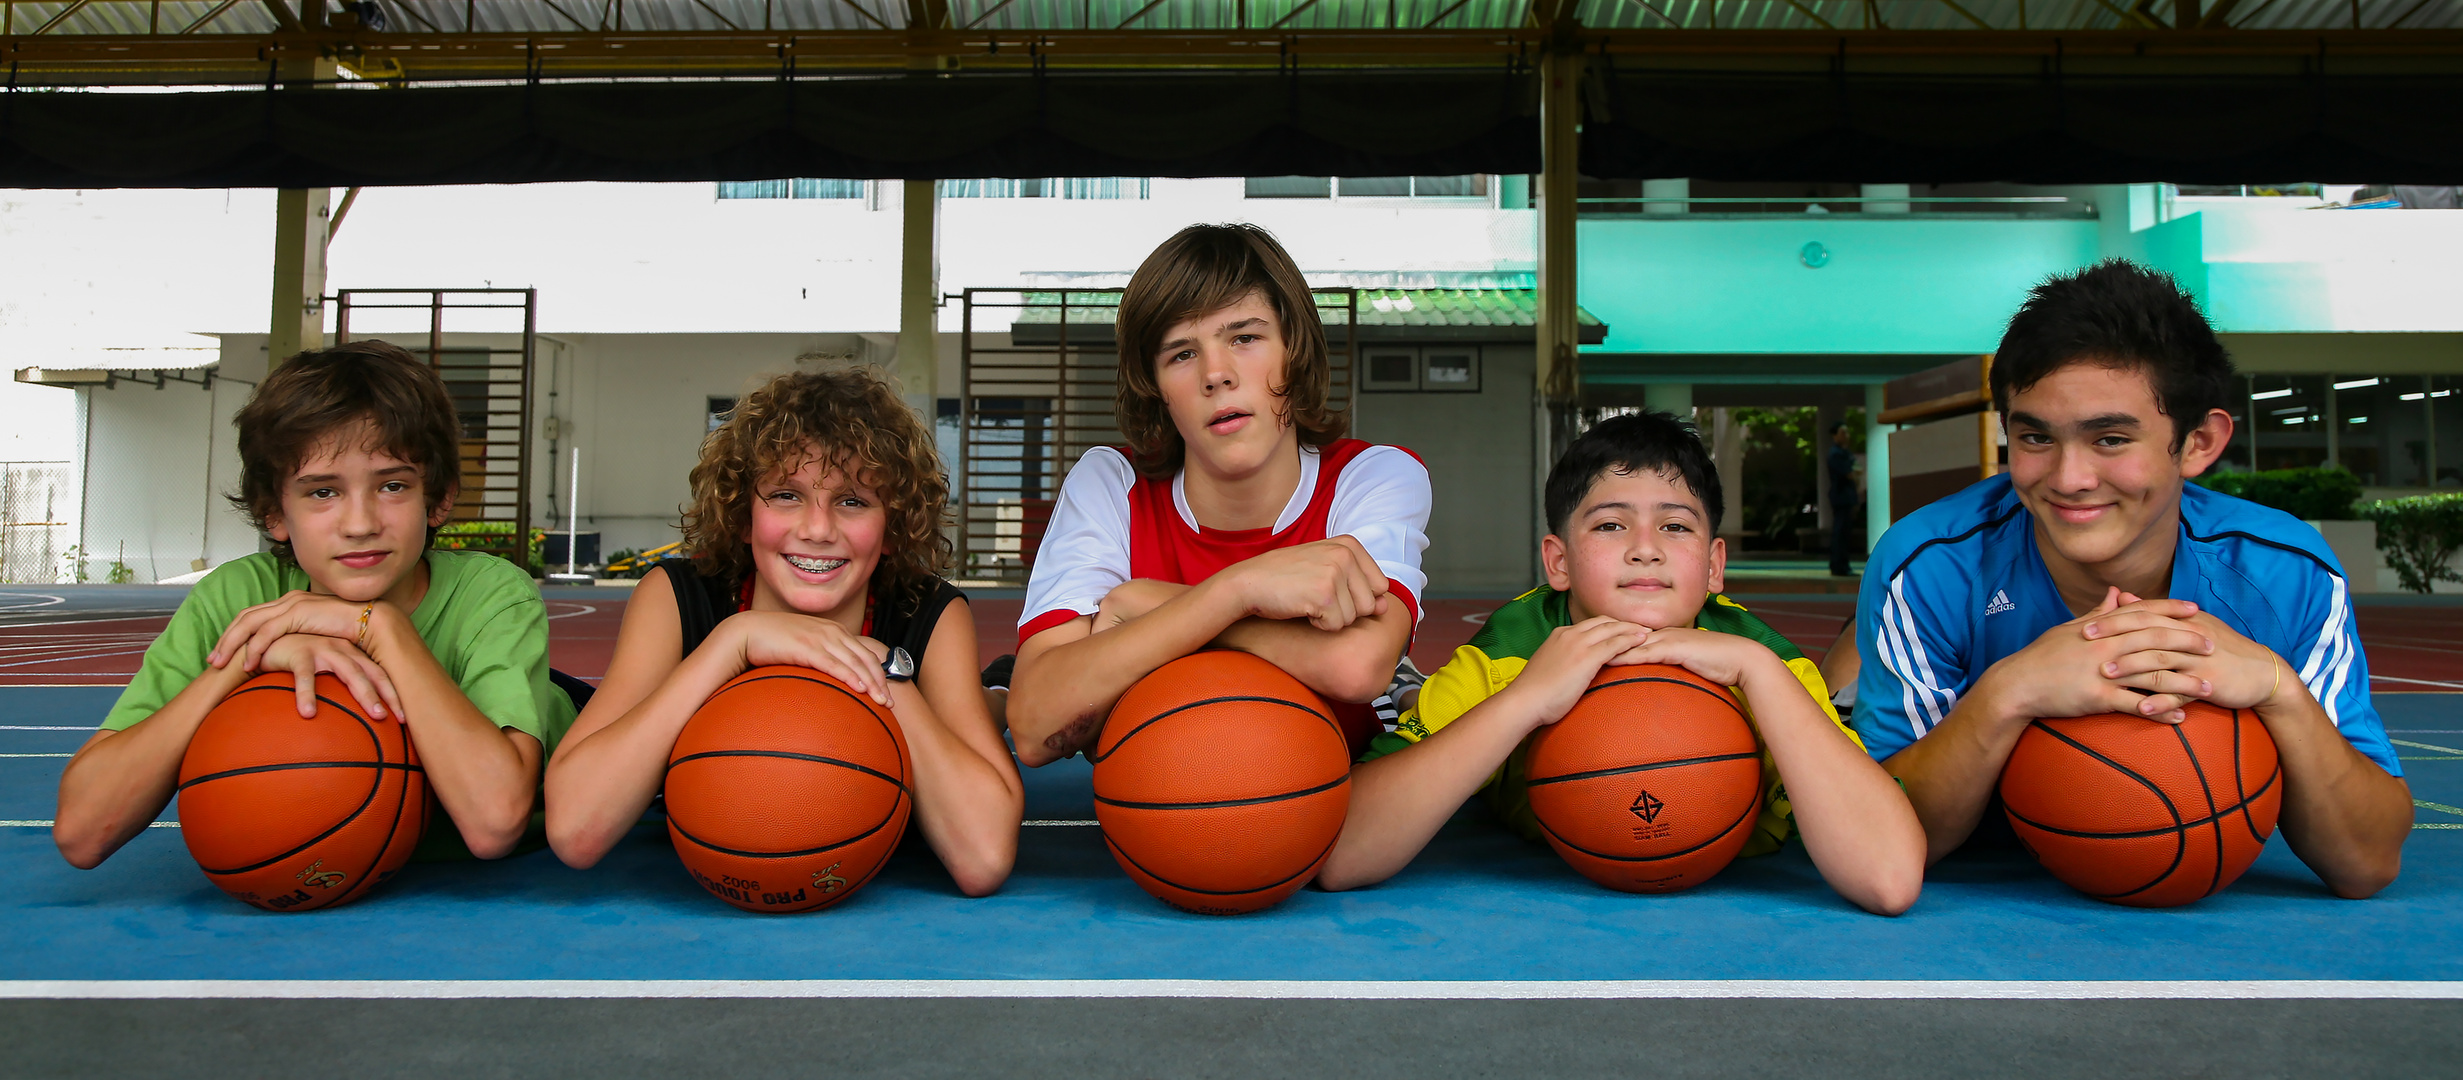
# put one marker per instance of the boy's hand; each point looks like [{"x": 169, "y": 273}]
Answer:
[
  {"x": 2064, "y": 672},
  {"x": 2234, "y": 672},
  {"x": 296, "y": 612},
  {"x": 1721, "y": 658},
  {"x": 1331, "y": 583},
  {"x": 303, "y": 655},
  {"x": 778, "y": 637},
  {"x": 1567, "y": 662}
]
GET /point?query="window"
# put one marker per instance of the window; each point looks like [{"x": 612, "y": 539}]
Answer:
[
  {"x": 1468, "y": 186},
  {"x": 1062, "y": 187},
  {"x": 719, "y": 407},
  {"x": 790, "y": 189}
]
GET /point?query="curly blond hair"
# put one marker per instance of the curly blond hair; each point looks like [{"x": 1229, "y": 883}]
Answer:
[{"x": 852, "y": 417}]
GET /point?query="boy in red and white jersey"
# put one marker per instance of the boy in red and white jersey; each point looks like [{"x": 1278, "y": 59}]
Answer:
[{"x": 1237, "y": 516}]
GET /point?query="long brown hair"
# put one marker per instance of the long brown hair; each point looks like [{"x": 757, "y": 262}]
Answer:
[
  {"x": 852, "y": 418},
  {"x": 1201, "y": 269}
]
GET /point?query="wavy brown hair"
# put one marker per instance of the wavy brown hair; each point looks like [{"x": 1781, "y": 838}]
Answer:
[
  {"x": 852, "y": 417},
  {"x": 1202, "y": 269},
  {"x": 315, "y": 397}
]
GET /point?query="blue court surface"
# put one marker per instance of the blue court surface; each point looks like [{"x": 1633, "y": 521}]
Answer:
[{"x": 1480, "y": 915}]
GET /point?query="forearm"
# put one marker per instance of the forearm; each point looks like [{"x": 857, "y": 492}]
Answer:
[
  {"x": 1355, "y": 663},
  {"x": 1062, "y": 692},
  {"x": 480, "y": 776},
  {"x": 967, "y": 806},
  {"x": 116, "y": 783},
  {"x": 1856, "y": 825},
  {"x": 1399, "y": 801},
  {"x": 2342, "y": 814},
  {"x": 601, "y": 781},
  {"x": 1949, "y": 774}
]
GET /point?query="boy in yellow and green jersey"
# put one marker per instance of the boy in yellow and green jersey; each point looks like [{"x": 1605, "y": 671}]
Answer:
[{"x": 1634, "y": 572}]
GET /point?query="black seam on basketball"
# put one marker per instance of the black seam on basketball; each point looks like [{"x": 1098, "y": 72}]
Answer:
[
  {"x": 290, "y": 765},
  {"x": 1751, "y": 809},
  {"x": 1623, "y": 769},
  {"x": 2180, "y": 835},
  {"x": 1715, "y": 695},
  {"x": 380, "y": 764},
  {"x": 1313, "y": 864},
  {"x": 2248, "y": 819},
  {"x": 2214, "y": 816},
  {"x": 876, "y": 827},
  {"x": 2140, "y": 834},
  {"x": 790, "y": 755},
  {"x": 367, "y": 874},
  {"x": 1101, "y": 754},
  {"x": 2252, "y": 800},
  {"x": 1327, "y": 786}
]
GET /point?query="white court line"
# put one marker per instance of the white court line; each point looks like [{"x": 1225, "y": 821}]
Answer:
[
  {"x": 2417, "y": 682},
  {"x": 27, "y": 824},
  {"x": 46, "y": 598},
  {"x": 1061, "y": 823},
  {"x": 36, "y": 755},
  {"x": 586, "y": 609},
  {"x": 43, "y": 727},
  {"x": 2425, "y": 746},
  {"x": 108, "y": 655},
  {"x": 1280, "y": 989}
]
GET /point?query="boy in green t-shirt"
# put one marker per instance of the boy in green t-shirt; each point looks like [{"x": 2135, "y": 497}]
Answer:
[
  {"x": 351, "y": 458},
  {"x": 1634, "y": 570}
]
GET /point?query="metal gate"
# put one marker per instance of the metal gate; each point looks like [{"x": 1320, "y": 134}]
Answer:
[
  {"x": 1031, "y": 406},
  {"x": 487, "y": 367}
]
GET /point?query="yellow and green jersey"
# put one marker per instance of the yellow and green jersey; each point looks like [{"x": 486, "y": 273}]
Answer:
[{"x": 1502, "y": 648}]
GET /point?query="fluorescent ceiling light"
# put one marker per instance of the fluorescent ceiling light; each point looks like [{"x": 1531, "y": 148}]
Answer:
[
  {"x": 2290, "y": 409},
  {"x": 2414, "y": 397},
  {"x": 2355, "y": 384},
  {"x": 2357, "y": 420},
  {"x": 2296, "y": 420},
  {"x": 2264, "y": 395}
]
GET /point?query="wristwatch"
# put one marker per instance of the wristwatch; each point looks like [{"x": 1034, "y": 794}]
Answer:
[{"x": 899, "y": 667}]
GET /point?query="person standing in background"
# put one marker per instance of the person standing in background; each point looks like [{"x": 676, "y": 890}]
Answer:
[{"x": 1842, "y": 464}]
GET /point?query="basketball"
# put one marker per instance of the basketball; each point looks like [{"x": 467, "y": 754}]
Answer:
[
  {"x": 1651, "y": 784},
  {"x": 293, "y": 814},
  {"x": 2144, "y": 813},
  {"x": 787, "y": 790},
  {"x": 1221, "y": 783}
]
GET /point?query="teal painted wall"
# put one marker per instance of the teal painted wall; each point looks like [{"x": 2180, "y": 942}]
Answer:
[{"x": 1897, "y": 284}]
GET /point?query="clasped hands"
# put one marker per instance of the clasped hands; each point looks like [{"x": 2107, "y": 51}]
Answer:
[
  {"x": 305, "y": 633},
  {"x": 2151, "y": 658}
]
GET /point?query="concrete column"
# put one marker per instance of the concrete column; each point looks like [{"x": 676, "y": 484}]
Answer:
[
  {"x": 2334, "y": 425},
  {"x": 1876, "y": 468},
  {"x": 1666, "y": 189},
  {"x": 1727, "y": 450},
  {"x": 1558, "y": 371},
  {"x": 301, "y": 216},
  {"x": 1886, "y": 191},
  {"x": 1673, "y": 398},
  {"x": 918, "y": 366}
]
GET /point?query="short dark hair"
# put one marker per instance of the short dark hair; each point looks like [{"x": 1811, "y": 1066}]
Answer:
[
  {"x": 1634, "y": 442},
  {"x": 317, "y": 394},
  {"x": 1206, "y": 268},
  {"x": 2118, "y": 314}
]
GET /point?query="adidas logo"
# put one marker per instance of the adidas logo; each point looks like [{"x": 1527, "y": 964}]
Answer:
[{"x": 1999, "y": 603}]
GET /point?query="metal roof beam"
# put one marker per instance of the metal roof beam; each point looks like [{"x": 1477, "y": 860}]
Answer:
[
  {"x": 282, "y": 15},
  {"x": 63, "y": 16},
  {"x": 208, "y": 17}
]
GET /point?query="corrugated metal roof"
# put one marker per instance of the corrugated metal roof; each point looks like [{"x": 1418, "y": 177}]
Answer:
[
  {"x": 562, "y": 16},
  {"x": 1455, "y": 307}
]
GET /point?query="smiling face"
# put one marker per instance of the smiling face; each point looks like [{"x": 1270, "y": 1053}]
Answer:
[
  {"x": 2091, "y": 456},
  {"x": 1218, "y": 374},
  {"x": 816, "y": 537},
  {"x": 1637, "y": 547},
  {"x": 357, "y": 518}
]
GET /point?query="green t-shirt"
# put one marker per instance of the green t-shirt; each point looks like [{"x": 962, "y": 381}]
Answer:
[{"x": 482, "y": 619}]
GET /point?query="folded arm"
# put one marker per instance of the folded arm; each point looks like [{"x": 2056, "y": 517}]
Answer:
[{"x": 119, "y": 780}]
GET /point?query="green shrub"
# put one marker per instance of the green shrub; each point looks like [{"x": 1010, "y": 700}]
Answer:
[
  {"x": 2419, "y": 535},
  {"x": 2307, "y": 494},
  {"x": 495, "y": 536}
]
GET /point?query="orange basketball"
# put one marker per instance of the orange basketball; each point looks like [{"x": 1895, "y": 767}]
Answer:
[
  {"x": 1221, "y": 783},
  {"x": 2144, "y": 813},
  {"x": 296, "y": 814},
  {"x": 786, "y": 791},
  {"x": 1651, "y": 783}
]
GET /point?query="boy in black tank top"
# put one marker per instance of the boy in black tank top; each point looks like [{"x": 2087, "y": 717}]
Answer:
[{"x": 815, "y": 538}]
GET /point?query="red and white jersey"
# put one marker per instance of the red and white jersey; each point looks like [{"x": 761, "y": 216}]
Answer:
[{"x": 1111, "y": 525}]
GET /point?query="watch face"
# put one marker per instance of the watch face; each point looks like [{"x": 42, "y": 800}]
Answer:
[{"x": 899, "y": 665}]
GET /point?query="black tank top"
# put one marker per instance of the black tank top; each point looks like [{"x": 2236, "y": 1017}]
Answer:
[{"x": 904, "y": 618}]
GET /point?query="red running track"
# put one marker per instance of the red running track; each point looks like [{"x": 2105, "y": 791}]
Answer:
[{"x": 2411, "y": 648}]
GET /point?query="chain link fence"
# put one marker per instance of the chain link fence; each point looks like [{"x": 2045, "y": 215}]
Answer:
[{"x": 38, "y": 500}]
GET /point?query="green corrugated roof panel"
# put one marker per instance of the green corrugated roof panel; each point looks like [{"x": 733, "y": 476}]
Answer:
[{"x": 1455, "y": 307}]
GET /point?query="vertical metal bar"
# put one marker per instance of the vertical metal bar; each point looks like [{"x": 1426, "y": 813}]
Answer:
[
  {"x": 522, "y": 448},
  {"x": 436, "y": 331},
  {"x": 965, "y": 494},
  {"x": 342, "y": 316},
  {"x": 2428, "y": 430},
  {"x": 153, "y": 18}
]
